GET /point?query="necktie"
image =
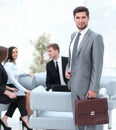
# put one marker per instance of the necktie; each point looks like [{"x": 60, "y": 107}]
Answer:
[
  {"x": 57, "y": 70},
  {"x": 75, "y": 47}
]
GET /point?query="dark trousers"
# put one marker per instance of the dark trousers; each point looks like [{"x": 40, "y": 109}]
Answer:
[{"x": 18, "y": 102}]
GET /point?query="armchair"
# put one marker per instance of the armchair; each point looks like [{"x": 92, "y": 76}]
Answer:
[
  {"x": 110, "y": 92},
  {"x": 52, "y": 110}
]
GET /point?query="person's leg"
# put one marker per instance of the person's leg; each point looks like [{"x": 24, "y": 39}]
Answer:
[
  {"x": 21, "y": 105},
  {"x": 11, "y": 108},
  {"x": 29, "y": 111},
  {"x": 97, "y": 127},
  {"x": 4, "y": 119},
  {"x": 94, "y": 127},
  {"x": 79, "y": 128},
  {"x": 23, "y": 111}
]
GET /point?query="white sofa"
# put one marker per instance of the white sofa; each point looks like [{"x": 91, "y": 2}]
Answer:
[
  {"x": 32, "y": 82},
  {"x": 110, "y": 93},
  {"x": 40, "y": 78},
  {"x": 53, "y": 110}
]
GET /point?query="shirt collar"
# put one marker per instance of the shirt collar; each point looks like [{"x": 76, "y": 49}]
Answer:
[{"x": 58, "y": 60}]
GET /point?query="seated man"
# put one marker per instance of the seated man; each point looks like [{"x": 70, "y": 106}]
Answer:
[{"x": 55, "y": 68}]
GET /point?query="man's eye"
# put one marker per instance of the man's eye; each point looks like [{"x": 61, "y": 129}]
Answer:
[
  {"x": 77, "y": 17},
  {"x": 83, "y": 17}
]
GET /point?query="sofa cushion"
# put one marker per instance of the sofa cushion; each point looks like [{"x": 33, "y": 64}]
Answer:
[
  {"x": 39, "y": 79},
  {"x": 3, "y": 107}
]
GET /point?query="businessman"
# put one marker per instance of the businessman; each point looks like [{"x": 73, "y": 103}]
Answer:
[
  {"x": 85, "y": 60},
  {"x": 56, "y": 67}
]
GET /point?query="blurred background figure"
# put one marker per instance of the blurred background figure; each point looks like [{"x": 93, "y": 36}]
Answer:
[{"x": 56, "y": 67}]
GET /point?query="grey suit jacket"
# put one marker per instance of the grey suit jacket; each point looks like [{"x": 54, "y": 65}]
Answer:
[{"x": 87, "y": 68}]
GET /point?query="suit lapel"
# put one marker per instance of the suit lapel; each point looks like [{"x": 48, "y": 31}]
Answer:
[{"x": 84, "y": 41}]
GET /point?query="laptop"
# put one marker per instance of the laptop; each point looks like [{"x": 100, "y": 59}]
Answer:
[
  {"x": 19, "y": 93},
  {"x": 60, "y": 88}
]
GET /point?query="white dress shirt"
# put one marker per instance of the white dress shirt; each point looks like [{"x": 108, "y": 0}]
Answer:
[{"x": 59, "y": 61}]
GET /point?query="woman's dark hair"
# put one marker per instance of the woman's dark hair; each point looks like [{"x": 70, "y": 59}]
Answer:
[
  {"x": 81, "y": 9},
  {"x": 10, "y": 49},
  {"x": 3, "y": 53}
]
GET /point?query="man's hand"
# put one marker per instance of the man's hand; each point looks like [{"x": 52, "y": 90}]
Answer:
[
  {"x": 91, "y": 94},
  {"x": 67, "y": 74}
]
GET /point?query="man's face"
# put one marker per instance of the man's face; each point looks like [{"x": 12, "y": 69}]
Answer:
[
  {"x": 52, "y": 53},
  {"x": 81, "y": 20}
]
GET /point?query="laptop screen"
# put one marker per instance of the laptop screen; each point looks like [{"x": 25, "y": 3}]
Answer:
[{"x": 60, "y": 88}]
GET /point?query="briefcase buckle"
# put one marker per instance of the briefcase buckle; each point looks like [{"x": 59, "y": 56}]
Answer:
[{"x": 92, "y": 113}]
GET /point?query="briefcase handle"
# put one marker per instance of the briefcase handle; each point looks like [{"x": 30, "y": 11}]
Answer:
[{"x": 85, "y": 98}]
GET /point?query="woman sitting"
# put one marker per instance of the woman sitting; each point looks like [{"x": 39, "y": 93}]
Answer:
[
  {"x": 7, "y": 95},
  {"x": 14, "y": 73}
]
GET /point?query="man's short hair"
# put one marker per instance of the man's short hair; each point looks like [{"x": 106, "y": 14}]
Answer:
[
  {"x": 81, "y": 9},
  {"x": 54, "y": 46}
]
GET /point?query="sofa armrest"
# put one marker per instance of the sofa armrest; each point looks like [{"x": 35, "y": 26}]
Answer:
[
  {"x": 102, "y": 93},
  {"x": 40, "y": 99}
]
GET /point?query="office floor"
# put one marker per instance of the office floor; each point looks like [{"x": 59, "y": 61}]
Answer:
[{"x": 16, "y": 124}]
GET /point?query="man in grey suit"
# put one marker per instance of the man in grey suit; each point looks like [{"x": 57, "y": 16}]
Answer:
[{"x": 85, "y": 66}]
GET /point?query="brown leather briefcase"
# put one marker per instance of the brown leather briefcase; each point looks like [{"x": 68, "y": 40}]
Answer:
[{"x": 91, "y": 112}]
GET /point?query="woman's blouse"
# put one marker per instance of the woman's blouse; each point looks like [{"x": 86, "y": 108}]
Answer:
[{"x": 13, "y": 75}]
